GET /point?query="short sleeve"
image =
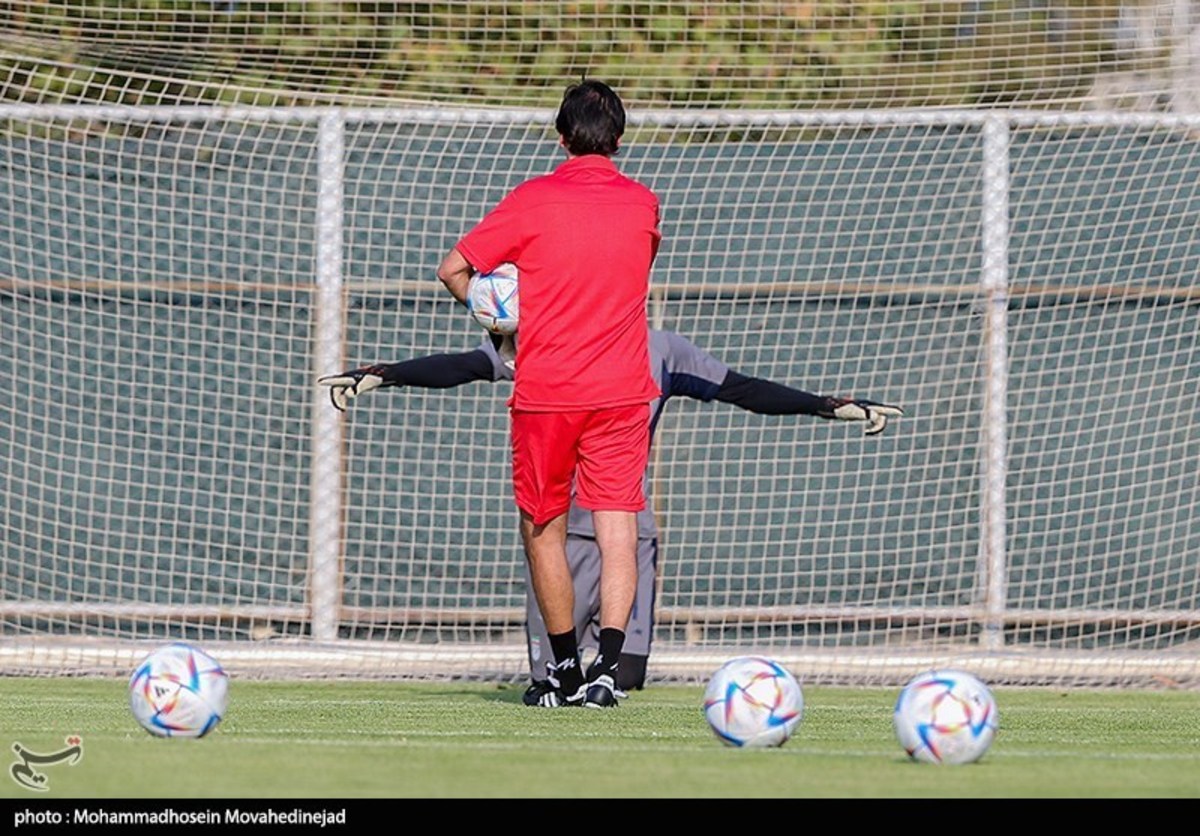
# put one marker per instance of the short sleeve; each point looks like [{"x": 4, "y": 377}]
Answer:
[
  {"x": 692, "y": 372},
  {"x": 499, "y": 237}
]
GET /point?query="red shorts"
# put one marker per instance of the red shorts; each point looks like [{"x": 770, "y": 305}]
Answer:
[{"x": 602, "y": 453}]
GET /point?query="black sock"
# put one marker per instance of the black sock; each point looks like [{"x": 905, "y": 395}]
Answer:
[
  {"x": 611, "y": 642},
  {"x": 566, "y": 658}
]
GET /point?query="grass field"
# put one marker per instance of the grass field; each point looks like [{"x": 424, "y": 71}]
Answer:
[{"x": 409, "y": 740}]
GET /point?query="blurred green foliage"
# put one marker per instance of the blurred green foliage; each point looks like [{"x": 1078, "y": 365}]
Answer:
[{"x": 754, "y": 54}]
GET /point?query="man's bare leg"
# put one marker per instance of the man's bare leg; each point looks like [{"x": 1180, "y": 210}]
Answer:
[
  {"x": 546, "y": 551},
  {"x": 616, "y": 535}
]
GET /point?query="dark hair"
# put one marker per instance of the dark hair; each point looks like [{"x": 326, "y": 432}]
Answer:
[{"x": 591, "y": 119}]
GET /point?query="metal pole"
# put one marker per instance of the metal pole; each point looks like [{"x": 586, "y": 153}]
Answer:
[
  {"x": 994, "y": 282},
  {"x": 325, "y": 510}
]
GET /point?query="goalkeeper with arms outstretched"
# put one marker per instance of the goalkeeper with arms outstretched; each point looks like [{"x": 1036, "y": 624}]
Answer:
[{"x": 680, "y": 369}]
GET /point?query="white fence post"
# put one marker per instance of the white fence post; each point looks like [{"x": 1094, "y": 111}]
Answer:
[
  {"x": 325, "y": 510},
  {"x": 994, "y": 282}
]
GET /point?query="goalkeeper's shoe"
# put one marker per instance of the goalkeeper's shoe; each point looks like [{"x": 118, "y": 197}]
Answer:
[
  {"x": 594, "y": 672},
  {"x": 859, "y": 409},
  {"x": 553, "y": 696},
  {"x": 601, "y": 692},
  {"x": 534, "y": 693},
  {"x": 351, "y": 384}
]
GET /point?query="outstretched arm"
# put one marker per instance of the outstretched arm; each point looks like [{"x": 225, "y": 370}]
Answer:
[
  {"x": 768, "y": 398},
  {"x": 435, "y": 371}
]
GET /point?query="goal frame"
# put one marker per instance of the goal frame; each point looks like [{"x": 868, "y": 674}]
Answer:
[{"x": 324, "y": 610}]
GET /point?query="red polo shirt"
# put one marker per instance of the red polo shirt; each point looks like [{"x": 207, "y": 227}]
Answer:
[{"x": 583, "y": 239}]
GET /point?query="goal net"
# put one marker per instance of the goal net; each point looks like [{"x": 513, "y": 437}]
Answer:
[{"x": 987, "y": 217}]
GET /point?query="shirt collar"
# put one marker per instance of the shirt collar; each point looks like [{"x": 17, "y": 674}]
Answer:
[{"x": 587, "y": 161}]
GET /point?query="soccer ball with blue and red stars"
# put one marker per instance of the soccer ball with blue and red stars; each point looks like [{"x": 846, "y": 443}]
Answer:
[
  {"x": 753, "y": 701},
  {"x": 946, "y": 716},
  {"x": 178, "y": 691}
]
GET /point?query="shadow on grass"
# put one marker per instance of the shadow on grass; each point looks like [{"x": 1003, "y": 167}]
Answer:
[{"x": 500, "y": 693}]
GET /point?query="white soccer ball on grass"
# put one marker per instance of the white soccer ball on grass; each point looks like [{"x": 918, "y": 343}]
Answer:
[
  {"x": 753, "y": 701},
  {"x": 946, "y": 717},
  {"x": 178, "y": 691}
]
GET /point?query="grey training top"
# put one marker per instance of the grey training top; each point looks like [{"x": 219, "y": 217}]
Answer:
[{"x": 679, "y": 368}]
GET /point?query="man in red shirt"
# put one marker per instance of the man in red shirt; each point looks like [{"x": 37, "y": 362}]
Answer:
[{"x": 583, "y": 239}]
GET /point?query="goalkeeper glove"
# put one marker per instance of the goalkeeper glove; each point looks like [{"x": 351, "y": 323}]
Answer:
[
  {"x": 858, "y": 409},
  {"x": 351, "y": 384},
  {"x": 506, "y": 347}
]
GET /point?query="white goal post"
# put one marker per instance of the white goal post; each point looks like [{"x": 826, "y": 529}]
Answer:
[{"x": 173, "y": 279}]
